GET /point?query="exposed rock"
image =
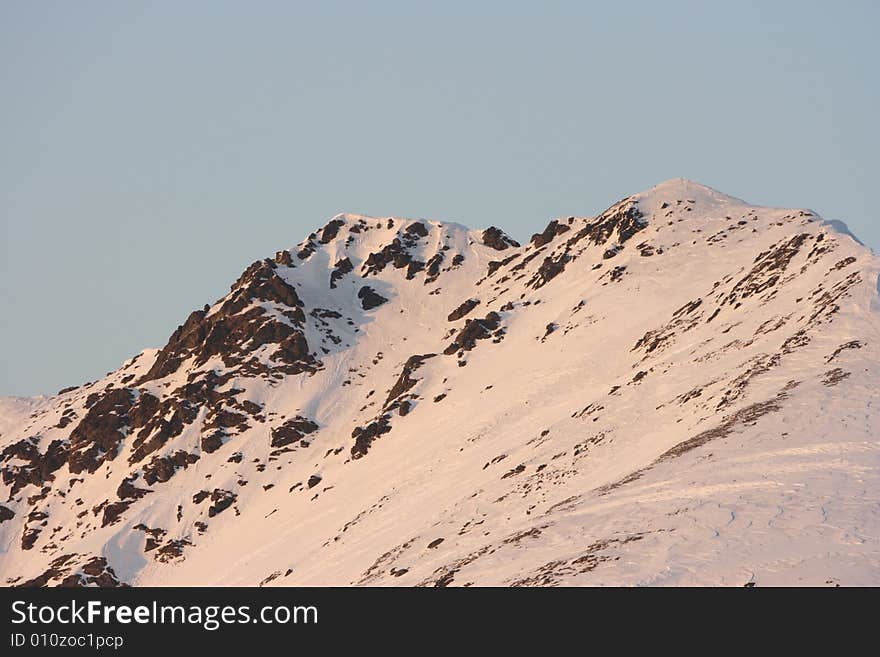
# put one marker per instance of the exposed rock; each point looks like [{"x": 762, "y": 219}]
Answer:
[
  {"x": 463, "y": 309},
  {"x": 549, "y": 269},
  {"x": 331, "y": 230},
  {"x": 113, "y": 512},
  {"x": 623, "y": 220},
  {"x": 364, "y": 436},
  {"x": 37, "y": 469},
  {"x": 340, "y": 269},
  {"x": 97, "y": 437},
  {"x": 172, "y": 550},
  {"x": 292, "y": 430},
  {"x": 370, "y": 298},
  {"x": 474, "y": 329},
  {"x": 497, "y": 239},
  {"x": 238, "y": 328},
  {"x": 495, "y": 265},
  {"x": 6, "y": 513},
  {"x": 127, "y": 489},
  {"x": 553, "y": 229},
  {"x": 417, "y": 228},
  {"x": 162, "y": 468},
  {"x": 405, "y": 381},
  {"x": 222, "y": 500},
  {"x": 283, "y": 258},
  {"x": 432, "y": 268},
  {"x": 392, "y": 254}
]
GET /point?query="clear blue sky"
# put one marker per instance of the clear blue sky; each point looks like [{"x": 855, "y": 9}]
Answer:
[{"x": 149, "y": 151}]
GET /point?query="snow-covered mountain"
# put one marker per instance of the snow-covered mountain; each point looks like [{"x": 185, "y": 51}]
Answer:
[{"x": 681, "y": 390}]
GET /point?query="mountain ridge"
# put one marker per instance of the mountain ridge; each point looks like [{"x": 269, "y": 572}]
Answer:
[{"x": 388, "y": 383}]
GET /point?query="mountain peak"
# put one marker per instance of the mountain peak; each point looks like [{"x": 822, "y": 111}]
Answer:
[
  {"x": 682, "y": 190},
  {"x": 404, "y": 401}
]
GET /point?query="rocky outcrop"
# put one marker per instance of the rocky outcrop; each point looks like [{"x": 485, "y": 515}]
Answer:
[
  {"x": 474, "y": 329},
  {"x": 364, "y": 436},
  {"x": 553, "y": 229},
  {"x": 405, "y": 381},
  {"x": 463, "y": 309},
  {"x": 370, "y": 298},
  {"x": 97, "y": 437},
  {"x": 240, "y": 326},
  {"x": 497, "y": 239},
  {"x": 331, "y": 230},
  {"x": 340, "y": 269},
  {"x": 33, "y": 467},
  {"x": 292, "y": 430}
]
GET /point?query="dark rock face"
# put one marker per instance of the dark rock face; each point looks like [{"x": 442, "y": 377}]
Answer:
[
  {"x": 417, "y": 228},
  {"x": 29, "y": 537},
  {"x": 474, "y": 329},
  {"x": 364, "y": 436},
  {"x": 394, "y": 254},
  {"x": 113, "y": 512},
  {"x": 292, "y": 430},
  {"x": 495, "y": 265},
  {"x": 625, "y": 219},
  {"x": 97, "y": 437},
  {"x": 154, "y": 536},
  {"x": 462, "y": 310},
  {"x": 284, "y": 258},
  {"x": 553, "y": 229},
  {"x": 161, "y": 468},
  {"x": 95, "y": 572},
  {"x": 233, "y": 333},
  {"x": 405, "y": 380},
  {"x": 413, "y": 268},
  {"x": 611, "y": 251},
  {"x": 211, "y": 442},
  {"x": 617, "y": 273},
  {"x": 158, "y": 422},
  {"x": 767, "y": 271},
  {"x": 331, "y": 230},
  {"x": 340, "y": 269},
  {"x": 549, "y": 269},
  {"x": 172, "y": 550},
  {"x": 222, "y": 500},
  {"x": 497, "y": 239},
  {"x": 127, "y": 489},
  {"x": 66, "y": 418},
  {"x": 6, "y": 514},
  {"x": 37, "y": 469},
  {"x": 370, "y": 298},
  {"x": 313, "y": 481},
  {"x": 432, "y": 268},
  {"x": 56, "y": 570},
  {"x": 307, "y": 250}
]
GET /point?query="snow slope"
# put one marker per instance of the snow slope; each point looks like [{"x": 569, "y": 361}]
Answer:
[{"x": 681, "y": 390}]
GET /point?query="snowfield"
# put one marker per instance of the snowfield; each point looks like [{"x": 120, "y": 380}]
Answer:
[{"x": 682, "y": 390}]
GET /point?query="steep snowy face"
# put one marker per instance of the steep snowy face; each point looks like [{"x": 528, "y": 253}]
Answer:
[{"x": 679, "y": 390}]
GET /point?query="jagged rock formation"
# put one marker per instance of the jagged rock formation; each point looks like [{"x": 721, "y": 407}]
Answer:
[{"x": 682, "y": 389}]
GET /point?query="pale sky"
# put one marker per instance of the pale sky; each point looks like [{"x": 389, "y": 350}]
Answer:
[{"x": 149, "y": 151}]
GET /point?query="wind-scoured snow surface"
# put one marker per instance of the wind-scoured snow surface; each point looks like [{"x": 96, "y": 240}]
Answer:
[{"x": 681, "y": 390}]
